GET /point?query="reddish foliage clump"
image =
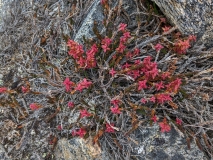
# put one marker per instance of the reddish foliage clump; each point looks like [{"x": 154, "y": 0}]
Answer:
[
  {"x": 3, "y": 89},
  {"x": 165, "y": 127}
]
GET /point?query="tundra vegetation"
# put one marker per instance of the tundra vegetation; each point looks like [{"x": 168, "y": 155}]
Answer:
[{"x": 137, "y": 70}]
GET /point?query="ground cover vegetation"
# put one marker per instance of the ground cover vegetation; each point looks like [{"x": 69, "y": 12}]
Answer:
[{"x": 138, "y": 70}]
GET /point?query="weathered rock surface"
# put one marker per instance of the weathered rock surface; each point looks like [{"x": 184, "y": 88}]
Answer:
[
  {"x": 78, "y": 149},
  {"x": 155, "y": 145},
  {"x": 191, "y": 17},
  {"x": 94, "y": 14},
  {"x": 3, "y": 154}
]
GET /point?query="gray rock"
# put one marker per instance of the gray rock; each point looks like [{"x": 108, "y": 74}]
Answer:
[
  {"x": 1, "y": 81},
  {"x": 76, "y": 148},
  {"x": 3, "y": 154},
  {"x": 154, "y": 145},
  {"x": 95, "y": 14}
]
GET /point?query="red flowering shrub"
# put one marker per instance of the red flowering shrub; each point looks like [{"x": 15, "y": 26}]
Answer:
[
  {"x": 143, "y": 76},
  {"x": 71, "y": 104},
  {"x": 164, "y": 126},
  {"x": 3, "y": 89},
  {"x": 34, "y": 106},
  {"x": 109, "y": 128},
  {"x": 178, "y": 121},
  {"x": 81, "y": 132},
  {"x": 158, "y": 47},
  {"x": 181, "y": 46}
]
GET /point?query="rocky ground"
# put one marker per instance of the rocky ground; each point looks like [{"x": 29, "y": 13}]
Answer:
[{"x": 39, "y": 29}]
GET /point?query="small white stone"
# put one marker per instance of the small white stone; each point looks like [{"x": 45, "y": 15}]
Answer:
[{"x": 32, "y": 132}]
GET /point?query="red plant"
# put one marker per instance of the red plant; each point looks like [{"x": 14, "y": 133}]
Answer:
[
  {"x": 34, "y": 106},
  {"x": 112, "y": 72},
  {"x": 140, "y": 74},
  {"x": 109, "y": 128},
  {"x": 192, "y": 38},
  {"x": 166, "y": 28},
  {"x": 59, "y": 127},
  {"x": 174, "y": 85},
  {"x": 105, "y": 44},
  {"x": 158, "y": 47},
  {"x": 115, "y": 110},
  {"x": 3, "y": 89},
  {"x": 68, "y": 84},
  {"x": 122, "y": 27},
  {"x": 178, "y": 121},
  {"x": 152, "y": 99},
  {"x": 165, "y": 127},
  {"x": 159, "y": 86},
  {"x": 143, "y": 100},
  {"x": 142, "y": 85},
  {"x": 181, "y": 46},
  {"x": 162, "y": 98},
  {"x": 83, "y": 84},
  {"x": 81, "y": 132},
  {"x": 154, "y": 118},
  {"x": 24, "y": 89},
  {"x": 71, "y": 104},
  {"x": 84, "y": 113}
]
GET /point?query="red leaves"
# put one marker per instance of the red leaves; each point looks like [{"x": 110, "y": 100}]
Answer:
[
  {"x": 112, "y": 72},
  {"x": 83, "y": 84},
  {"x": 84, "y": 113},
  {"x": 71, "y": 104},
  {"x": 158, "y": 47},
  {"x": 165, "y": 127},
  {"x": 105, "y": 44},
  {"x": 154, "y": 118},
  {"x": 34, "y": 106},
  {"x": 80, "y": 86},
  {"x": 68, "y": 84},
  {"x": 90, "y": 59},
  {"x": 3, "y": 89},
  {"x": 178, "y": 121},
  {"x": 140, "y": 74},
  {"x": 109, "y": 128},
  {"x": 143, "y": 100},
  {"x": 162, "y": 98},
  {"x": 115, "y": 101},
  {"x": 181, "y": 46},
  {"x": 75, "y": 49},
  {"x": 192, "y": 38},
  {"x": 159, "y": 86},
  {"x": 121, "y": 48},
  {"x": 149, "y": 68},
  {"x": 122, "y": 27},
  {"x": 125, "y": 37},
  {"x": 115, "y": 110},
  {"x": 142, "y": 85},
  {"x": 59, "y": 127},
  {"x": 25, "y": 89},
  {"x": 86, "y": 60},
  {"x": 174, "y": 85},
  {"x": 166, "y": 28},
  {"x": 81, "y": 132}
]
